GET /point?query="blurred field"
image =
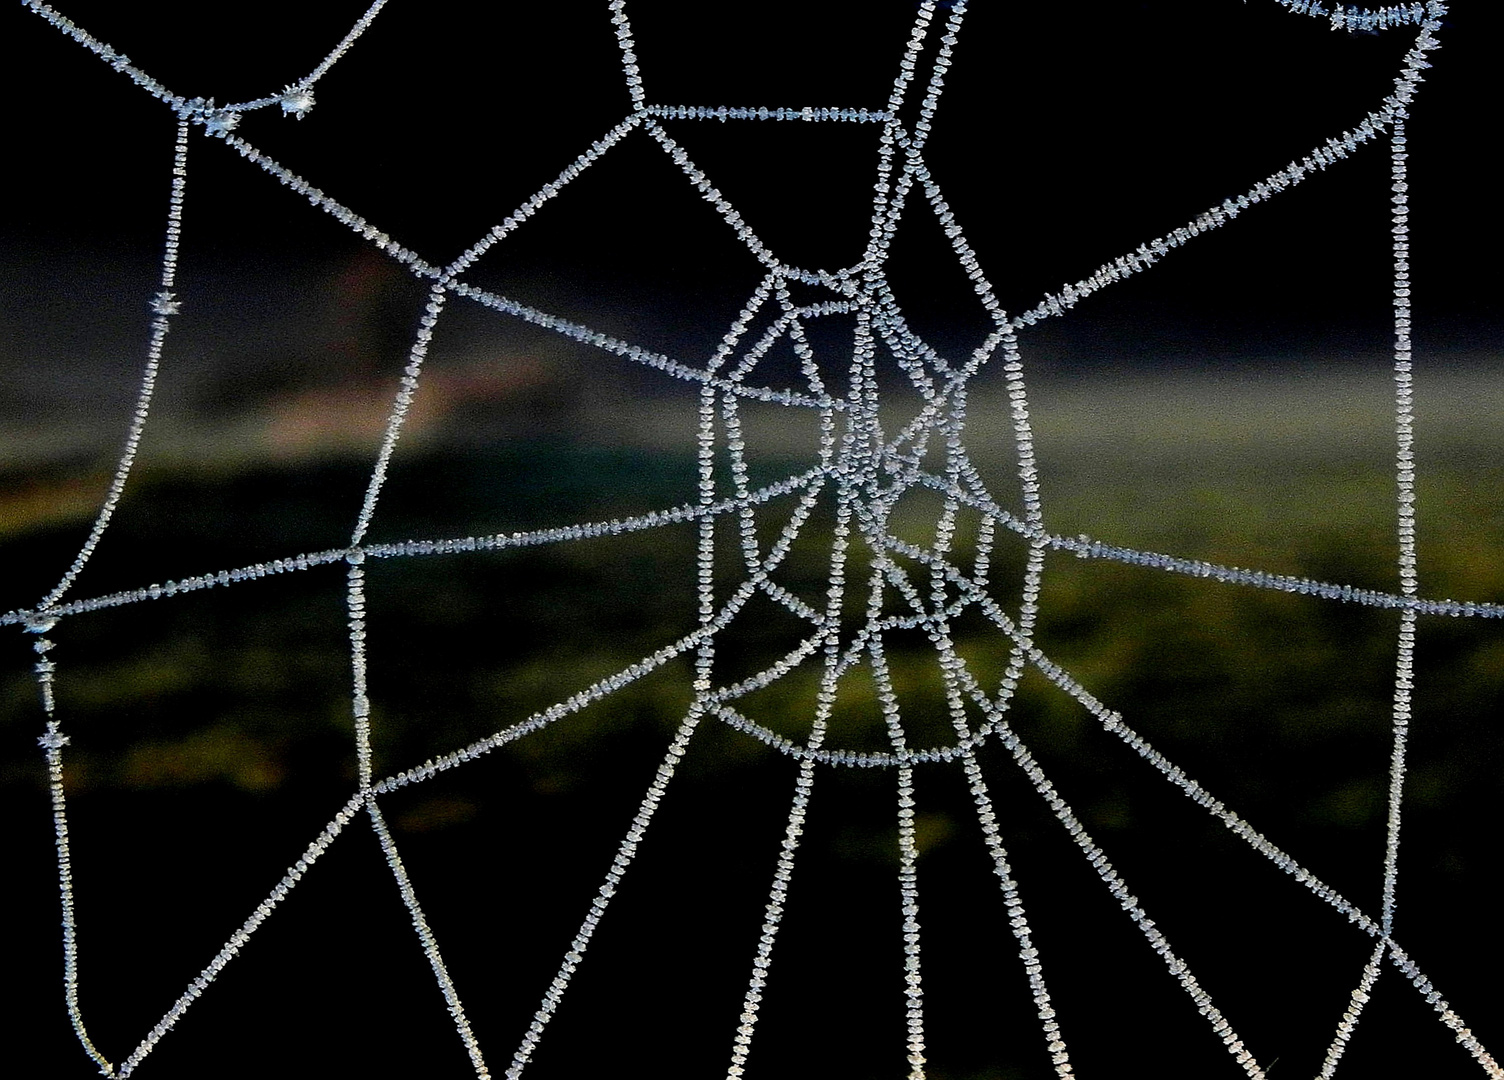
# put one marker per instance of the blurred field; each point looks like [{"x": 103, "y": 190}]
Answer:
[{"x": 211, "y": 735}]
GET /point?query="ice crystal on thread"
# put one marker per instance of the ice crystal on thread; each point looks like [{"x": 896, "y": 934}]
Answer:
[{"x": 296, "y": 101}]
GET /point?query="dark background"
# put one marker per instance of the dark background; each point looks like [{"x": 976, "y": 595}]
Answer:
[
  {"x": 1229, "y": 404},
  {"x": 1096, "y": 126}
]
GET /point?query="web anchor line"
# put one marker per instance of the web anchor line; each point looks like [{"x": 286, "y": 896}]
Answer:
[{"x": 1082, "y": 546}]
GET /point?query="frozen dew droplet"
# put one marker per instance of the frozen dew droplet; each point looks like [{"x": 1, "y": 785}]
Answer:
[
  {"x": 296, "y": 101},
  {"x": 220, "y": 122}
]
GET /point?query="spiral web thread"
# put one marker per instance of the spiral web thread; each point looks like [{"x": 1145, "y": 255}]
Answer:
[{"x": 862, "y": 472}]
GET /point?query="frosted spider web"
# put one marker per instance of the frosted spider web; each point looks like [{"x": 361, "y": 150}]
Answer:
[{"x": 877, "y": 584}]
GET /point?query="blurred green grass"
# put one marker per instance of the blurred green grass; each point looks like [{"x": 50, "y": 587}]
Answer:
[
  {"x": 1240, "y": 473},
  {"x": 227, "y": 712}
]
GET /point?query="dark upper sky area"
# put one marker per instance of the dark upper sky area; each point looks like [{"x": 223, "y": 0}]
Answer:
[{"x": 1067, "y": 134}]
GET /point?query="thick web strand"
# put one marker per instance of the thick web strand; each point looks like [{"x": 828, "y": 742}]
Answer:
[{"x": 1404, "y": 411}]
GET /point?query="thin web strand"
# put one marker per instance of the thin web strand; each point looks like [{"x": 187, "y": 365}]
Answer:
[
  {"x": 430, "y": 943},
  {"x": 163, "y": 307}
]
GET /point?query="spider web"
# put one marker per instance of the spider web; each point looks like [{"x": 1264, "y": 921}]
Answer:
[{"x": 890, "y": 409}]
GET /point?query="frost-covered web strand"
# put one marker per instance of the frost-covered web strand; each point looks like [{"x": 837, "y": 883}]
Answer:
[
  {"x": 1334, "y": 149},
  {"x": 430, "y": 943},
  {"x": 908, "y": 847},
  {"x": 625, "y": 853},
  {"x": 163, "y": 307},
  {"x": 1404, "y": 411},
  {"x": 335, "y": 209},
  {"x": 1099, "y": 863},
  {"x": 951, "y": 665},
  {"x": 1081, "y": 546},
  {"x": 628, "y": 53},
  {"x": 692, "y": 643},
  {"x": 407, "y": 387},
  {"x": 1018, "y": 920},
  {"x": 1461, "y": 1032},
  {"x": 829, "y": 638},
  {"x": 783, "y": 870},
  {"x": 1343, "y": 17},
  {"x": 908, "y": 875},
  {"x": 1405, "y": 500},
  {"x": 808, "y": 114},
  {"x": 238, "y": 940},
  {"x": 709, "y": 620},
  {"x": 117, "y": 60},
  {"x": 296, "y": 98},
  {"x": 1349, "y": 1021},
  {"x": 1114, "y": 723},
  {"x": 778, "y": 897},
  {"x": 550, "y": 190},
  {"x": 360, "y": 701},
  {"x": 952, "y": 669},
  {"x": 335, "y": 54},
  {"x": 639, "y": 355},
  {"x": 888, "y": 205}
]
